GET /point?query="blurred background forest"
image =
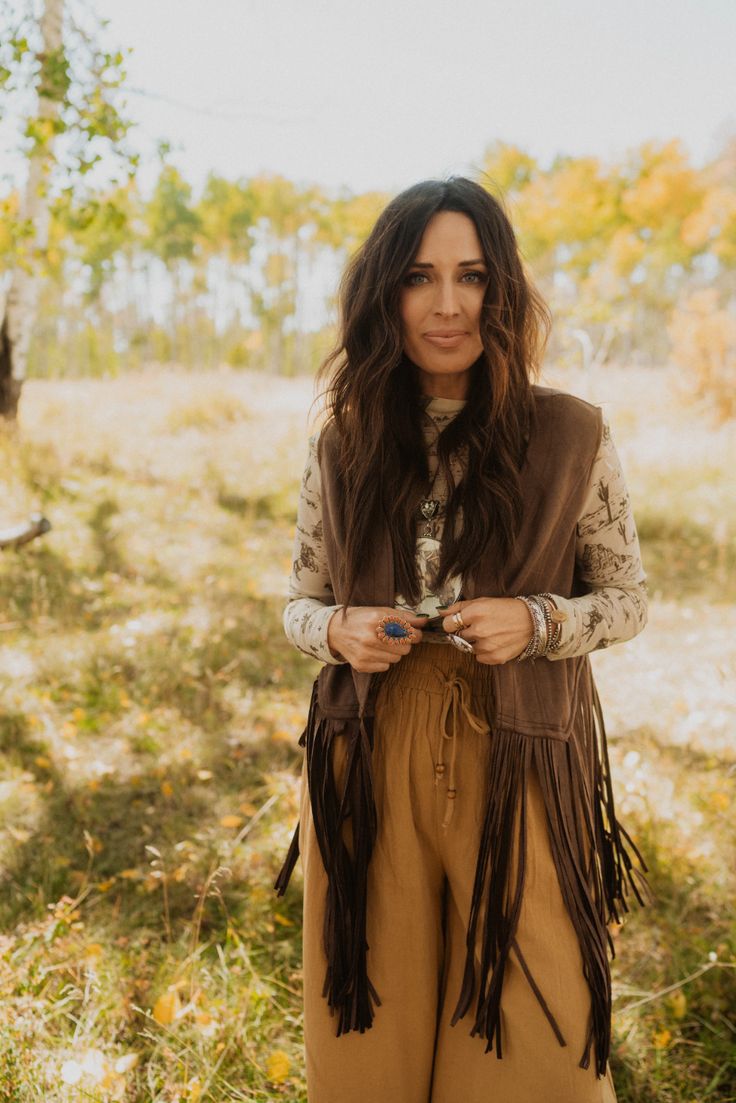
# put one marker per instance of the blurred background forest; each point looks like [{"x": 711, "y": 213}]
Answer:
[{"x": 158, "y": 341}]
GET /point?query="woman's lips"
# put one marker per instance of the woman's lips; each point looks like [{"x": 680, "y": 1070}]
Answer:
[{"x": 445, "y": 340}]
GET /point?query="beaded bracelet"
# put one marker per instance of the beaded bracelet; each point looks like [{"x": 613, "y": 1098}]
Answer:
[{"x": 557, "y": 618}]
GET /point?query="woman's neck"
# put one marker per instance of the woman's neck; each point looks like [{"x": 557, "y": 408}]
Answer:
[
  {"x": 436, "y": 385},
  {"x": 444, "y": 387}
]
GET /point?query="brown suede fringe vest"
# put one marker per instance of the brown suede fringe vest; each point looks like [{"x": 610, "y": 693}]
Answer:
[{"x": 543, "y": 714}]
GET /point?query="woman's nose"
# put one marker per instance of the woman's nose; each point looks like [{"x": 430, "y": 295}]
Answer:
[{"x": 446, "y": 300}]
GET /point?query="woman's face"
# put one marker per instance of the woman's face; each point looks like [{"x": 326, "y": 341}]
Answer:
[{"x": 440, "y": 304}]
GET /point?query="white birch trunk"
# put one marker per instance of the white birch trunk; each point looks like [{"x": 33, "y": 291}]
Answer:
[{"x": 20, "y": 304}]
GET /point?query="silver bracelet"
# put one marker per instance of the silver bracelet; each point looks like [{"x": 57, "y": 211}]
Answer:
[
  {"x": 547, "y": 614},
  {"x": 542, "y": 622},
  {"x": 538, "y": 643}
]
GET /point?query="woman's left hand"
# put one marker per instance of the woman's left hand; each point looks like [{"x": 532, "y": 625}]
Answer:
[{"x": 499, "y": 628}]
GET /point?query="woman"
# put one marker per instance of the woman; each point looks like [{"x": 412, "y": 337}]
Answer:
[{"x": 464, "y": 539}]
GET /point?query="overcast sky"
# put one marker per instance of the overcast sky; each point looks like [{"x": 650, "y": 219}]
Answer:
[{"x": 380, "y": 93}]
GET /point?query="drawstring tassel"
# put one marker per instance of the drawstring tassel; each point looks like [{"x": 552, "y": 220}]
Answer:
[{"x": 456, "y": 701}]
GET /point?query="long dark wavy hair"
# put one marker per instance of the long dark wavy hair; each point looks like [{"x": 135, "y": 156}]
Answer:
[{"x": 373, "y": 397}]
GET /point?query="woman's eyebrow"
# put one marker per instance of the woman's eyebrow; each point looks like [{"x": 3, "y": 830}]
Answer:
[{"x": 461, "y": 264}]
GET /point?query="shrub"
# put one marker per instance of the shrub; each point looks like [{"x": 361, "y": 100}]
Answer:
[{"x": 703, "y": 336}]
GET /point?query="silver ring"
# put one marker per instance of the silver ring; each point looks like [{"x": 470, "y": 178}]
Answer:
[
  {"x": 459, "y": 642},
  {"x": 458, "y": 618}
]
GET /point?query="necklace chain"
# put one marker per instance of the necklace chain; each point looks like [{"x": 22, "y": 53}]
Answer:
[{"x": 429, "y": 507}]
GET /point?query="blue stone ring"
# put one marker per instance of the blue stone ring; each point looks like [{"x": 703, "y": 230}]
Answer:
[{"x": 394, "y": 630}]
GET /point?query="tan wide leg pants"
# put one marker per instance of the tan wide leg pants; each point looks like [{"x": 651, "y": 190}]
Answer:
[{"x": 427, "y": 741}]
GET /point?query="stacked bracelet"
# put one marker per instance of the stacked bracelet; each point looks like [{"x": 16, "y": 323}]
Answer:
[
  {"x": 538, "y": 643},
  {"x": 547, "y": 620},
  {"x": 547, "y": 614},
  {"x": 556, "y": 619}
]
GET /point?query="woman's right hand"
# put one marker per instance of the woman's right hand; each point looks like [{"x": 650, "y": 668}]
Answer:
[{"x": 354, "y": 638}]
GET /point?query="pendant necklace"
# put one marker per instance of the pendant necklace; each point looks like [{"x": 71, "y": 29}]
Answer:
[{"x": 429, "y": 507}]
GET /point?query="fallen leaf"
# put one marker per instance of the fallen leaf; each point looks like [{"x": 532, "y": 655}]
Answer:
[
  {"x": 167, "y": 1007},
  {"x": 94, "y": 1065},
  {"x": 278, "y": 1066},
  {"x": 678, "y": 1004},
  {"x": 126, "y": 1062},
  {"x": 71, "y": 1072},
  {"x": 206, "y": 1023}
]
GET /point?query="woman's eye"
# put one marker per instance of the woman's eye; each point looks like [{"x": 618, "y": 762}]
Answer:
[{"x": 414, "y": 279}]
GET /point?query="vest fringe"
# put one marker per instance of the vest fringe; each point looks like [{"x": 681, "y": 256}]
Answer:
[
  {"x": 507, "y": 772},
  {"x": 345, "y": 825},
  {"x": 284, "y": 876},
  {"x": 593, "y": 856},
  {"x": 619, "y": 872},
  {"x": 594, "y": 868},
  {"x": 282, "y": 881}
]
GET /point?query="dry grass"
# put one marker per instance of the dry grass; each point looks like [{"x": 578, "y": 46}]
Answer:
[{"x": 150, "y": 708}]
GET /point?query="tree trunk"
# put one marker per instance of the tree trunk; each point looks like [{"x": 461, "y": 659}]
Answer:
[{"x": 20, "y": 304}]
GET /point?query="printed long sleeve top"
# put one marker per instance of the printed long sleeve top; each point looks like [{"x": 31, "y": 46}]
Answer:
[{"x": 607, "y": 553}]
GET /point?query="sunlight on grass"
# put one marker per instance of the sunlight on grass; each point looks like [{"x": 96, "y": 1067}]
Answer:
[{"x": 150, "y": 713}]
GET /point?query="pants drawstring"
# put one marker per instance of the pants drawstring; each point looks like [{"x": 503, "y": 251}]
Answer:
[{"x": 456, "y": 698}]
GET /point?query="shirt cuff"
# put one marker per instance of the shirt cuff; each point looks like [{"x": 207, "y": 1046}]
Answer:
[
  {"x": 305, "y": 623},
  {"x": 321, "y": 631},
  {"x": 570, "y": 630}
]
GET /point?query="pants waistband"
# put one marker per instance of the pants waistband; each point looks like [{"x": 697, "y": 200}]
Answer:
[{"x": 416, "y": 670}]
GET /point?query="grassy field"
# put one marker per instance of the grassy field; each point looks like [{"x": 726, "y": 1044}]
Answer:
[{"x": 150, "y": 708}]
